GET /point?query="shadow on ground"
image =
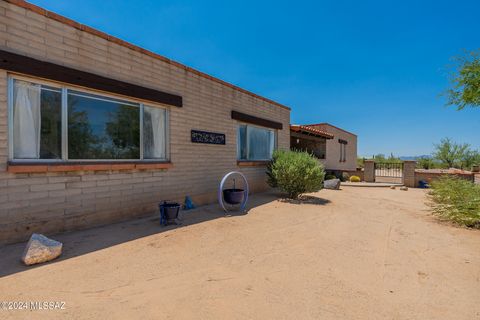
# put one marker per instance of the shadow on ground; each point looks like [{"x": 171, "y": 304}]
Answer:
[
  {"x": 307, "y": 200},
  {"x": 77, "y": 243}
]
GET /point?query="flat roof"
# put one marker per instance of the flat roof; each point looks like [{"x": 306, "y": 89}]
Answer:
[{"x": 98, "y": 33}]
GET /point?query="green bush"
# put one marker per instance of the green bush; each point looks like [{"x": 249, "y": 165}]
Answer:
[
  {"x": 354, "y": 179},
  {"x": 295, "y": 173},
  {"x": 330, "y": 176},
  {"x": 457, "y": 200}
]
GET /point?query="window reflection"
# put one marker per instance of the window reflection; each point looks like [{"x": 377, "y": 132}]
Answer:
[{"x": 102, "y": 128}]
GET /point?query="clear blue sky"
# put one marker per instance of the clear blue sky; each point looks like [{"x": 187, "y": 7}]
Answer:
[{"x": 376, "y": 68}]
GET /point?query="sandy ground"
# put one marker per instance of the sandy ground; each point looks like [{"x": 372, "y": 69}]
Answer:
[{"x": 357, "y": 253}]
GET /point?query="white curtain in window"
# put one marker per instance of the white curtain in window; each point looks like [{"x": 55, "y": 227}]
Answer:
[
  {"x": 260, "y": 144},
  {"x": 155, "y": 149},
  {"x": 26, "y": 120},
  {"x": 272, "y": 144}
]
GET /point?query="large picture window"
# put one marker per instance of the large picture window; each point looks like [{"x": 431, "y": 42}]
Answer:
[
  {"x": 56, "y": 122},
  {"x": 255, "y": 143}
]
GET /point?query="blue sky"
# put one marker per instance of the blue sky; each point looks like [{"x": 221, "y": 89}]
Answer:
[{"x": 376, "y": 68}]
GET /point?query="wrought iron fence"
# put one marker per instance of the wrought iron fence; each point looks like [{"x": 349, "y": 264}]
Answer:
[{"x": 389, "y": 169}]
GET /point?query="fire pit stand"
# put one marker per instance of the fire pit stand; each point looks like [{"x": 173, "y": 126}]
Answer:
[{"x": 234, "y": 196}]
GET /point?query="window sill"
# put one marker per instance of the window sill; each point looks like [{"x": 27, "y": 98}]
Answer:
[
  {"x": 16, "y": 167},
  {"x": 246, "y": 163}
]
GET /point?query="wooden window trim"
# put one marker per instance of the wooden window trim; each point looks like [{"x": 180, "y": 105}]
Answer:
[
  {"x": 239, "y": 116},
  {"x": 25, "y": 65},
  {"x": 250, "y": 163}
]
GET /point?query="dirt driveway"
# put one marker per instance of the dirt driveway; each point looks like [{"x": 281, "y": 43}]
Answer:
[{"x": 357, "y": 253}]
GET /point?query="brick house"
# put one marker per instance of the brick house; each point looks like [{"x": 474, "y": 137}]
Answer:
[
  {"x": 95, "y": 130},
  {"x": 335, "y": 148}
]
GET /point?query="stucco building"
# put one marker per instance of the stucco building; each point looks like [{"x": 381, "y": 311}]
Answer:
[
  {"x": 95, "y": 130},
  {"x": 335, "y": 148}
]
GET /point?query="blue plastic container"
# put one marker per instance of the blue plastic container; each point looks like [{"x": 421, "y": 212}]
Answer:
[{"x": 423, "y": 184}]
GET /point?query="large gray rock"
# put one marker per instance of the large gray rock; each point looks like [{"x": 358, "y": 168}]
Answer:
[
  {"x": 41, "y": 249},
  {"x": 332, "y": 184}
]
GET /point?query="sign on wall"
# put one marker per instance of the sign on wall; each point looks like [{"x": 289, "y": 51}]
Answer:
[{"x": 207, "y": 137}]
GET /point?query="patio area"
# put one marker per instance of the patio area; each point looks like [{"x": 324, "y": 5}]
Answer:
[{"x": 357, "y": 253}]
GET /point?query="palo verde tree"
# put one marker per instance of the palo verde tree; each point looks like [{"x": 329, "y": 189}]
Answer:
[
  {"x": 465, "y": 82},
  {"x": 449, "y": 153}
]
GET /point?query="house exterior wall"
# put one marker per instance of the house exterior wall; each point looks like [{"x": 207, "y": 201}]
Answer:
[
  {"x": 51, "y": 202},
  {"x": 332, "y": 161}
]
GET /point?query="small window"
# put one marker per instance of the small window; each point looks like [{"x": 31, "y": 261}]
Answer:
[
  {"x": 94, "y": 127},
  {"x": 343, "y": 151},
  {"x": 255, "y": 143}
]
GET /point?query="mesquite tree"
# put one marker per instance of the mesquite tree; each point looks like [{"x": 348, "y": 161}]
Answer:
[{"x": 465, "y": 82}]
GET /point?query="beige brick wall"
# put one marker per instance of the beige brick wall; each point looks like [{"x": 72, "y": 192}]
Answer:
[
  {"x": 369, "y": 171},
  {"x": 53, "y": 202},
  {"x": 431, "y": 175},
  {"x": 408, "y": 174}
]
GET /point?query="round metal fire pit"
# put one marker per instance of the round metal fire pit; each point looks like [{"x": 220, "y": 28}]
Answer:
[{"x": 233, "y": 196}]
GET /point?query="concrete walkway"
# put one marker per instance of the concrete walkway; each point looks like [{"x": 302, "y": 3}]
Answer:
[{"x": 370, "y": 184}]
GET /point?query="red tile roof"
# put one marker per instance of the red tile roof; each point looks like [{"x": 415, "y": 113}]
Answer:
[
  {"x": 331, "y": 125},
  {"x": 310, "y": 130}
]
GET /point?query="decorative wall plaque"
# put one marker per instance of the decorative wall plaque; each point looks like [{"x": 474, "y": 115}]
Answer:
[{"x": 207, "y": 137}]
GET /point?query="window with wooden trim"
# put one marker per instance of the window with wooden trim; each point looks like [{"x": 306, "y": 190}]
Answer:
[{"x": 51, "y": 122}]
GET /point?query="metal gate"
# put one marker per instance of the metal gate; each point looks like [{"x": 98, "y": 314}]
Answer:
[{"x": 389, "y": 169}]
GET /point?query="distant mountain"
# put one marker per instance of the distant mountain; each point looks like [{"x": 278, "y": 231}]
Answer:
[{"x": 415, "y": 157}]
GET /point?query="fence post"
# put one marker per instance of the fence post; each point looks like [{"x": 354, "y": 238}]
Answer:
[
  {"x": 408, "y": 176},
  {"x": 369, "y": 171}
]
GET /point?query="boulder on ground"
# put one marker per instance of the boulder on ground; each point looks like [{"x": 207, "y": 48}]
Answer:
[
  {"x": 332, "y": 184},
  {"x": 393, "y": 187},
  {"x": 41, "y": 249},
  {"x": 404, "y": 188}
]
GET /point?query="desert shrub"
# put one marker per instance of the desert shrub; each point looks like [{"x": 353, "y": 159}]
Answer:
[
  {"x": 427, "y": 163},
  {"x": 295, "y": 173},
  {"x": 330, "y": 176},
  {"x": 354, "y": 179},
  {"x": 457, "y": 200},
  {"x": 360, "y": 162}
]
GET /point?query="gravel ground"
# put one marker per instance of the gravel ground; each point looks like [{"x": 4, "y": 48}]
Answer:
[{"x": 356, "y": 253}]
